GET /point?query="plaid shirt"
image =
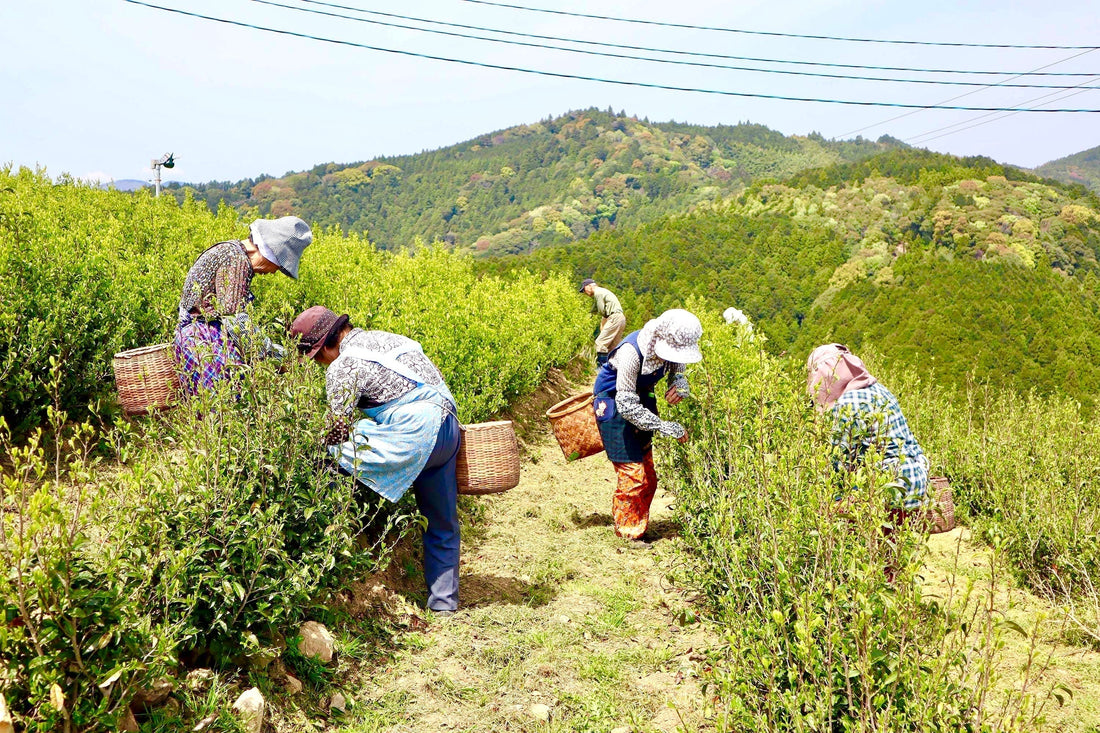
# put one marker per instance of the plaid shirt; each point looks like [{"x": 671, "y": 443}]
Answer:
[{"x": 871, "y": 417}]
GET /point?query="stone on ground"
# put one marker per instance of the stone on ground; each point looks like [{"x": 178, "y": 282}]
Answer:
[
  {"x": 250, "y": 710},
  {"x": 316, "y": 643}
]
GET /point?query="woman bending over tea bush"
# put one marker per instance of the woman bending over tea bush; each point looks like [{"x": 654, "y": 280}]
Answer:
[
  {"x": 626, "y": 408},
  {"x": 213, "y": 329},
  {"x": 866, "y": 415},
  {"x": 407, "y": 434}
]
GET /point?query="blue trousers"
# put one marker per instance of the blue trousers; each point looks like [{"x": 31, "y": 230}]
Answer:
[{"x": 436, "y": 491}]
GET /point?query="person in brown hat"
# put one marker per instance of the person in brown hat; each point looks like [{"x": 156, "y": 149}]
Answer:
[{"x": 393, "y": 426}]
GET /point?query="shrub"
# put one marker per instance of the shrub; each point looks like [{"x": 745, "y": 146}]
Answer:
[{"x": 817, "y": 635}]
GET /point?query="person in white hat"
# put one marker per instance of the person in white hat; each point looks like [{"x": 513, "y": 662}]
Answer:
[
  {"x": 213, "y": 328},
  {"x": 625, "y": 404}
]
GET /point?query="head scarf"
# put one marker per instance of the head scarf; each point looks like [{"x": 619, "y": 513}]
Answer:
[
  {"x": 672, "y": 336},
  {"x": 832, "y": 371}
]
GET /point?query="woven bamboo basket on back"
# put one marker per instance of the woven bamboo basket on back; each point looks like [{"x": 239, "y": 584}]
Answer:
[
  {"x": 146, "y": 378},
  {"x": 575, "y": 428},
  {"x": 488, "y": 459},
  {"x": 940, "y": 514}
]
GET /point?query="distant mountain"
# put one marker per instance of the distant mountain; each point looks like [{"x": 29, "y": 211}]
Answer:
[
  {"x": 956, "y": 266},
  {"x": 1083, "y": 168},
  {"x": 126, "y": 184},
  {"x": 551, "y": 182}
]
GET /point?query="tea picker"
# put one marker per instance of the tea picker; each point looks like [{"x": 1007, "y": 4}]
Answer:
[
  {"x": 213, "y": 331},
  {"x": 612, "y": 321},
  {"x": 625, "y": 406},
  {"x": 393, "y": 426}
]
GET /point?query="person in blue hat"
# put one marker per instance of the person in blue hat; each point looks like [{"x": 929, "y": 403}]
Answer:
[{"x": 213, "y": 329}]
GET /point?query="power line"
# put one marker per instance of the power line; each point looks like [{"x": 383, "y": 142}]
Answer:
[
  {"x": 700, "y": 54},
  {"x": 973, "y": 122},
  {"x": 967, "y": 94},
  {"x": 773, "y": 33},
  {"x": 578, "y": 77},
  {"x": 675, "y": 62},
  {"x": 996, "y": 119}
]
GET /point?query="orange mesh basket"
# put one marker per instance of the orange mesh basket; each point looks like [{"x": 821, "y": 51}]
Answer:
[{"x": 575, "y": 428}]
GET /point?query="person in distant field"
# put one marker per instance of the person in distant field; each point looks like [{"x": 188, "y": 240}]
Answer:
[
  {"x": 733, "y": 315},
  {"x": 625, "y": 404},
  {"x": 213, "y": 328},
  {"x": 865, "y": 415},
  {"x": 612, "y": 320},
  {"x": 393, "y": 426}
]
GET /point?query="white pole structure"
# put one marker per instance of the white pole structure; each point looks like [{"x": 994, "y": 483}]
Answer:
[{"x": 167, "y": 160}]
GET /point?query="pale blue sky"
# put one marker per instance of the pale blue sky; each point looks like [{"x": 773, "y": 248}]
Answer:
[{"x": 99, "y": 87}]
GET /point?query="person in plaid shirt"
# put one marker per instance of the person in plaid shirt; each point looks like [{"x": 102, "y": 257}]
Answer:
[{"x": 867, "y": 415}]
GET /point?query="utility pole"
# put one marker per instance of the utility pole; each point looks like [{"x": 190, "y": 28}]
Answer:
[{"x": 165, "y": 161}]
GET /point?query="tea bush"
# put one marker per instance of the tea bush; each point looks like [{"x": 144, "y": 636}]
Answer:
[
  {"x": 219, "y": 528},
  {"x": 818, "y": 636},
  {"x": 86, "y": 273},
  {"x": 75, "y": 641},
  {"x": 1021, "y": 471}
]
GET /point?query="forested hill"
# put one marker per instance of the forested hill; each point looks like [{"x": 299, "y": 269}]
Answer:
[
  {"x": 551, "y": 182},
  {"x": 1083, "y": 168},
  {"x": 957, "y": 267}
]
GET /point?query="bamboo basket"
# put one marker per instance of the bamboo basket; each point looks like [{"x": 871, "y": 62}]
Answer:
[
  {"x": 488, "y": 458},
  {"x": 940, "y": 514},
  {"x": 575, "y": 428},
  {"x": 146, "y": 379}
]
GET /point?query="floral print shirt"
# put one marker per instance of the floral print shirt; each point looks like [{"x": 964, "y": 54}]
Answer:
[
  {"x": 352, "y": 383},
  {"x": 219, "y": 284},
  {"x": 628, "y": 367}
]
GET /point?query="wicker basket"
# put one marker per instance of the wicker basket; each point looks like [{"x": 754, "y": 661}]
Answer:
[
  {"x": 488, "y": 459},
  {"x": 575, "y": 427},
  {"x": 146, "y": 378},
  {"x": 940, "y": 515}
]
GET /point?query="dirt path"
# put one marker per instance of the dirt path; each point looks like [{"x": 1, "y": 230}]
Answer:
[{"x": 556, "y": 612}]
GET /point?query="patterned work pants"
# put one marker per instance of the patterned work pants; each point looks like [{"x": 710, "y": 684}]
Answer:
[{"x": 633, "y": 495}]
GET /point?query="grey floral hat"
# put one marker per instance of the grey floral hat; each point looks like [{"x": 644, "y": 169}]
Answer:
[
  {"x": 282, "y": 241},
  {"x": 673, "y": 336}
]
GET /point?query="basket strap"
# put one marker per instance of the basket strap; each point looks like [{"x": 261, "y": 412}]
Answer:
[{"x": 388, "y": 359}]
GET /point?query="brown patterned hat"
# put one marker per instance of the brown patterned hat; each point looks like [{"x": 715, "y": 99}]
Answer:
[{"x": 313, "y": 326}]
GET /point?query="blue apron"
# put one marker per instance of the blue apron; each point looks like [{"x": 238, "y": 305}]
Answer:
[
  {"x": 623, "y": 442},
  {"x": 389, "y": 447}
]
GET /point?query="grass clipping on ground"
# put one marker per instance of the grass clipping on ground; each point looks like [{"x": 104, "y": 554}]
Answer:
[{"x": 1045, "y": 648}]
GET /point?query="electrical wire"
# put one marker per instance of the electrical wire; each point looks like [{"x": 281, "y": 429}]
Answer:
[
  {"x": 608, "y": 54},
  {"x": 601, "y": 80},
  {"x": 773, "y": 33},
  {"x": 973, "y": 122},
  {"x": 966, "y": 94},
  {"x": 699, "y": 54}
]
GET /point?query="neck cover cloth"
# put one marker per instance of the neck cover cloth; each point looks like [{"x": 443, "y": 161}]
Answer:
[
  {"x": 672, "y": 336},
  {"x": 832, "y": 371}
]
